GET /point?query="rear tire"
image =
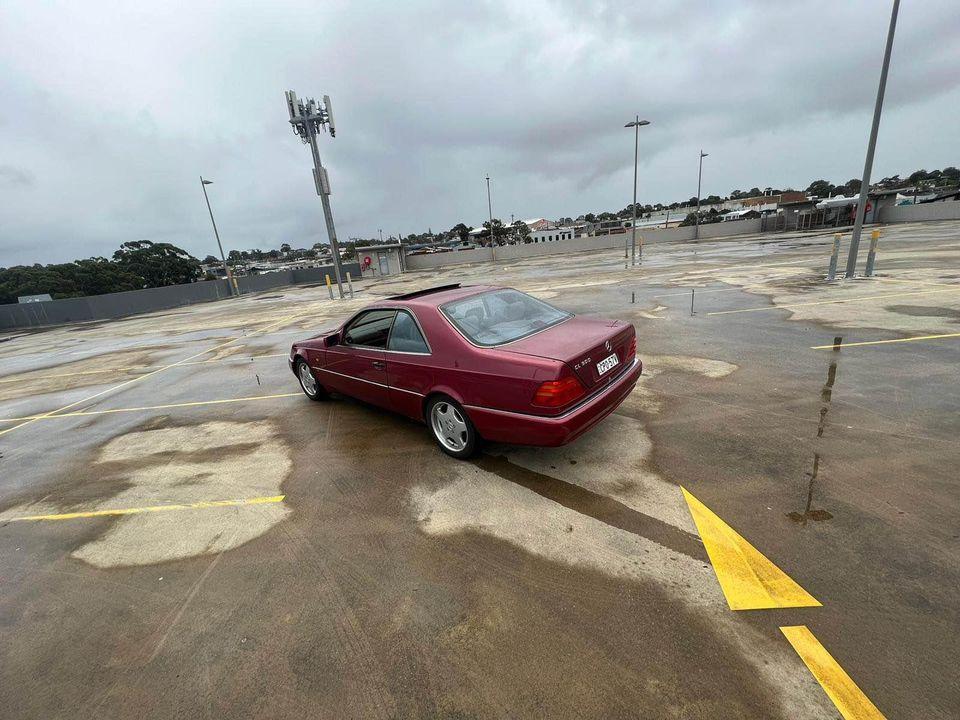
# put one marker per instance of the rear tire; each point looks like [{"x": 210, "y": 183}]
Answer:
[
  {"x": 308, "y": 382},
  {"x": 452, "y": 428}
]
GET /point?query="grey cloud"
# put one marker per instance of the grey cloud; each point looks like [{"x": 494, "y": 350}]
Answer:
[{"x": 429, "y": 98}]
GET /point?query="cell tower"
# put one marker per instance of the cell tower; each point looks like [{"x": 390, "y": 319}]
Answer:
[{"x": 307, "y": 118}]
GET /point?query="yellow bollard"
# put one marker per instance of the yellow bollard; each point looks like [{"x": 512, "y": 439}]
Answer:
[
  {"x": 329, "y": 287},
  {"x": 872, "y": 255}
]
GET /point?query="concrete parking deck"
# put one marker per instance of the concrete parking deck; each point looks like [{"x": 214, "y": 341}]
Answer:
[{"x": 767, "y": 528}]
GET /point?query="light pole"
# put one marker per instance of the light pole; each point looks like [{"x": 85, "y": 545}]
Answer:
[
  {"x": 307, "y": 117},
  {"x": 493, "y": 251},
  {"x": 636, "y": 125},
  {"x": 226, "y": 268},
  {"x": 871, "y": 146},
  {"x": 380, "y": 230},
  {"x": 699, "y": 178}
]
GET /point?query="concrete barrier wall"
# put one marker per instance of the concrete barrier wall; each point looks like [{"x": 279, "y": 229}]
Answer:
[
  {"x": 581, "y": 244},
  {"x": 134, "y": 302},
  {"x": 947, "y": 210}
]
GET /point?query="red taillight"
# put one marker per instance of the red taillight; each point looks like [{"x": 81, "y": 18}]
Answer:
[
  {"x": 632, "y": 350},
  {"x": 557, "y": 393}
]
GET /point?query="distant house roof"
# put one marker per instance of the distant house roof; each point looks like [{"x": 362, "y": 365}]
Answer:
[
  {"x": 385, "y": 246},
  {"x": 952, "y": 194},
  {"x": 43, "y": 297}
]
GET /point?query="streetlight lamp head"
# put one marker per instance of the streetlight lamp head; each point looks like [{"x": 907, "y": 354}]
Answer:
[
  {"x": 206, "y": 182},
  {"x": 703, "y": 154},
  {"x": 637, "y": 123}
]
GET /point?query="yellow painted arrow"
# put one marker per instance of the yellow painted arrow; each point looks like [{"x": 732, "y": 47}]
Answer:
[{"x": 748, "y": 579}]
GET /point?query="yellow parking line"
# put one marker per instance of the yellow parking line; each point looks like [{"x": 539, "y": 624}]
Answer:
[
  {"x": 833, "y": 302},
  {"x": 884, "y": 342},
  {"x": 129, "y": 368},
  {"x": 840, "y": 688},
  {"x": 197, "y": 403},
  {"x": 151, "y": 509}
]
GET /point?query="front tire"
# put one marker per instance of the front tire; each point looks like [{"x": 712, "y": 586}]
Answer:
[
  {"x": 308, "y": 383},
  {"x": 451, "y": 428}
]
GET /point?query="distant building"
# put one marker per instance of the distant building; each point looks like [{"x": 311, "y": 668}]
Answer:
[
  {"x": 552, "y": 234},
  {"x": 43, "y": 297},
  {"x": 386, "y": 259}
]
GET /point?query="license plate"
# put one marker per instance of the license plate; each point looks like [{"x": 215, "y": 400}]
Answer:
[{"x": 607, "y": 363}]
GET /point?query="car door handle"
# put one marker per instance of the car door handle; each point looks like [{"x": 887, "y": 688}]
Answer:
[{"x": 379, "y": 365}]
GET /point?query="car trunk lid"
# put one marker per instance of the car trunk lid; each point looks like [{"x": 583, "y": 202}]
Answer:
[{"x": 581, "y": 343}]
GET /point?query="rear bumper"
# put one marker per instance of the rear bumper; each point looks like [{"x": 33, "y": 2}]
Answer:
[{"x": 521, "y": 429}]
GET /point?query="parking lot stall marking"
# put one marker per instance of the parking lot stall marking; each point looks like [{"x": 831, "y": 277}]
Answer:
[
  {"x": 152, "y": 372},
  {"x": 144, "y": 408},
  {"x": 150, "y": 509},
  {"x": 885, "y": 342},
  {"x": 839, "y": 687},
  {"x": 748, "y": 579},
  {"x": 833, "y": 302}
]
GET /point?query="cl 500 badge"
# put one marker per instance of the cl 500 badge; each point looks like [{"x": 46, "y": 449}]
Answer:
[{"x": 585, "y": 361}]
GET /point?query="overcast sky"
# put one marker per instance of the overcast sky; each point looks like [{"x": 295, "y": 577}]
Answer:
[{"x": 110, "y": 112}]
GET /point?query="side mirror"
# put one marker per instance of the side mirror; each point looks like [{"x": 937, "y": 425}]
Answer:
[{"x": 332, "y": 339}]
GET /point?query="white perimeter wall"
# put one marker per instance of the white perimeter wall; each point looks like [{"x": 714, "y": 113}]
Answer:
[
  {"x": 581, "y": 244},
  {"x": 947, "y": 210}
]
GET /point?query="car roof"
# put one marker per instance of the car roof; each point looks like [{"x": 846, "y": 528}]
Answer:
[{"x": 435, "y": 297}]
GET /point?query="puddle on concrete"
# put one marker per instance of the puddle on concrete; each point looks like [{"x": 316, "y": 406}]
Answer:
[
  {"x": 183, "y": 465},
  {"x": 925, "y": 311}
]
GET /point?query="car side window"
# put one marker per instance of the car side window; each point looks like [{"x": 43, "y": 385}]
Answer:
[
  {"x": 406, "y": 335},
  {"x": 371, "y": 329}
]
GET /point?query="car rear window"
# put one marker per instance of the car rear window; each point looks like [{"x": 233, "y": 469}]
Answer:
[{"x": 501, "y": 316}]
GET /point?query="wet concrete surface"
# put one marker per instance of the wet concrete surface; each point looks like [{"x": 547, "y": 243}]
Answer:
[{"x": 392, "y": 581}]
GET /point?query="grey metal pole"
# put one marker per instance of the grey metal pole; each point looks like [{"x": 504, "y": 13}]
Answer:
[
  {"x": 699, "y": 178},
  {"x": 216, "y": 234},
  {"x": 327, "y": 213},
  {"x": 493, "y": 251},
  {"x": 633, "y": 226},
  {"x": 871, "y": 146}
]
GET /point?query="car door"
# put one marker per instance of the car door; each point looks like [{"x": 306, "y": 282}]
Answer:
[
  {"x": 357, "y": 361},
  {"x": 409, "y": 365}
]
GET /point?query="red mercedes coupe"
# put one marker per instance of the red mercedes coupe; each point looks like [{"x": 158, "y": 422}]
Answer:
[{"x": 476, "y": 363}]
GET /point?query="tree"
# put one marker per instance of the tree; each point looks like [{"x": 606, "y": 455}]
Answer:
[
  {"x": 211, "y": 260},
  {"x": 850, "y": 187},
  {"x": 284, "y": 248},
  {"x": 820, "y": 188},
  {"x": 157, "y": 264},
  {"x": 93, "y": 276},
  {"x": 462, "y": 231},
  {"x": 952, "y": 174},
  {"x": 496, "y": 229},
  {"x": 520, "y": 232}
]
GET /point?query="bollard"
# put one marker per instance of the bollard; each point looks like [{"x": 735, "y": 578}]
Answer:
[
  {"x": 633, "y": 297},
  {"x": 329, "y": 287},
  {"x": 872, "y": 255},
  {"x": 832, "y": 272},
  {"x": 350, "y": 285},
  {"x": 640, "y": 250},
  {"x": 692, "y": 293}
]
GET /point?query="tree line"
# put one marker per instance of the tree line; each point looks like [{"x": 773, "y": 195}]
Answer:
[{"x": 136, "y": 265}]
